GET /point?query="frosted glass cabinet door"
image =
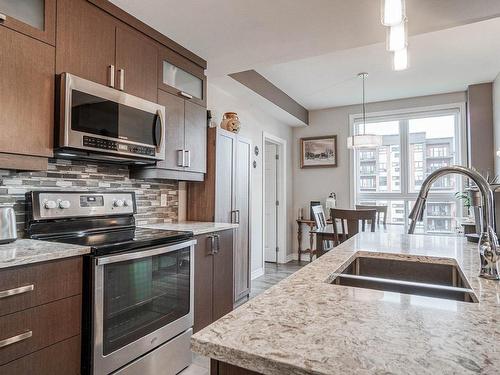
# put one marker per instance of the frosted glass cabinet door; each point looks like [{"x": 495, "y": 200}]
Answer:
[
  {"x": 35, "y": 18},
  {"x": 182, "y": 80},
  {"x": 182, "y": 77}
]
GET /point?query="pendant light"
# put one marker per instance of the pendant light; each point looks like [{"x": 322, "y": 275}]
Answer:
[
  {"x": 393, "y": 12},
  {"x": 397, "y": 37},
  {"x": 400, "y": 60},
  {"x": 364, "y": 140}
]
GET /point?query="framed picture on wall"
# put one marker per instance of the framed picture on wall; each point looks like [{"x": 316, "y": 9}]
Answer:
[{"x": 318, "y": 151}]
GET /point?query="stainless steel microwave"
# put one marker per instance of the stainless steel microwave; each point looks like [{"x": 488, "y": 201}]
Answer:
[{"x": 100, "y": 122}]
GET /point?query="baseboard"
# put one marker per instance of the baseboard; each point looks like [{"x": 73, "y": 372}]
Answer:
[
  {"x": 257, "y": 273},
  {"x": 292, "y": 256}
]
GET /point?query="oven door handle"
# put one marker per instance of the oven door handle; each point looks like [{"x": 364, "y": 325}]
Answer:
[{"x": 143, "y": 253}]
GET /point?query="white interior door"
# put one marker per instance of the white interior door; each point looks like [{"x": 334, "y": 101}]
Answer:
[{"x": 271, "y": 198}]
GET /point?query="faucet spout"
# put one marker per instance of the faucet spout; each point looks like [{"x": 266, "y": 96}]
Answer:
[{"x": 489, "y": 250}]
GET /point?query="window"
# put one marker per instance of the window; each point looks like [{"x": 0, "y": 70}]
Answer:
[{"x": 414, "y": 145}]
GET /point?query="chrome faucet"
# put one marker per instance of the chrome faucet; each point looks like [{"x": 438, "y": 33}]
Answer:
[{"x": 489, "y": 250}]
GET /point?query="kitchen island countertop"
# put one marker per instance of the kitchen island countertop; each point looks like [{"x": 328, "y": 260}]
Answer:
[{"x": 305, "y": 325}]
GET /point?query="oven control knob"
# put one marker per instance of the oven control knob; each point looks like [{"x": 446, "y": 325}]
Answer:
[
  {"x": 118, "y": 203},
  {"x": 128, "y": 203},
  {"x": 50, "y": 205},
  {"x": 64, "y": 204}
]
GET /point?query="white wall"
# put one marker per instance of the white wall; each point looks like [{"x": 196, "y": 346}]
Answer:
[
  {"x": 316, "y": 183},
  {"x": 253, "y": 123},
  {"x": 496, "y": 120}
]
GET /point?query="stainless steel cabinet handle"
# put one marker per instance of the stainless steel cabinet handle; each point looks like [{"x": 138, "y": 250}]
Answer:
[
  {"x": 185, "y": 94},
  {"x": 14, "y": 291},
  {"x": 111, "y": 76},
  {"x": 188, "y": 158},
  {"x": 181, "y": 158},
  {"x": 121, "y": 77},
  {"x": 217, "y": 243},
  {"x": 3, "y": 17},
  {"x": 212, "y": 244},
  {"x": 17, "y": 338}
]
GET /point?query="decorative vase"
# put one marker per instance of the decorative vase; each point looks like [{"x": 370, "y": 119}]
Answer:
[{"x": 231, "y": 122}]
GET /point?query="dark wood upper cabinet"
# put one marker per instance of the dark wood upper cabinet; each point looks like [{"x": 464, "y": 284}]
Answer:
[
  {"x": 36, "y": 18},
  {"x": 26, "y": 95},
  {"x": 85, "y": 41},
  {"x": 96, "y": 46},
  {"x": 195, "y": 135},
  {"x": 179, "y": 76},
  {"x": 174, "y": 130},
  {"x": 186, "y": 141},
  {"x": 137, "y": 57}
]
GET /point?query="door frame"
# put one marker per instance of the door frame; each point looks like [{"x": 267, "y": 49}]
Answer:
[{"x": 281, "y": 194}]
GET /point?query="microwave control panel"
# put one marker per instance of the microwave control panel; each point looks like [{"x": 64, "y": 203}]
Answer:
[{"x": 107, "y": 144}]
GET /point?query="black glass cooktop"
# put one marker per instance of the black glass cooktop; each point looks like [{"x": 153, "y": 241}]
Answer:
[{"x": 121, "y": 240}]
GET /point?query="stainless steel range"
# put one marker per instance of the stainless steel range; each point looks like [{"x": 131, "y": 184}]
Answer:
[{"x": 138, "y": 283}]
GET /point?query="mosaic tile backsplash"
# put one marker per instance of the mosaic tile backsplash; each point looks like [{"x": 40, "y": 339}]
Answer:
[{"x": 73, "y": 175}]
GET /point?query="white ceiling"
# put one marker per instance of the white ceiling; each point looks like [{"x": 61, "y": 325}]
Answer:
[
  {"x": 312, "y": 49},
  {"x": 236, "y": 35},
  {"x": 441, "y": 61}
]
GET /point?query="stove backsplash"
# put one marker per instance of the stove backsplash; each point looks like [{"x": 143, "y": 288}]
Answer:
[{"x": 80, "y": 175}]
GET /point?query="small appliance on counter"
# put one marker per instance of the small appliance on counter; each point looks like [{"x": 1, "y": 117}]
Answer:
[
  {"x": 138, "y": 283},
  {"x": 8, "y": 231}
]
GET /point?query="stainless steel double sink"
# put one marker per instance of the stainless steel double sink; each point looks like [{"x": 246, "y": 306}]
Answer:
[{"x": 407, "y": 276}]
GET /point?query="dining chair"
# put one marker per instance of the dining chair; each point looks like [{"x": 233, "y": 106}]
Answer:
[
  {"x": 320, "y": 221},
  {"x": 381, "y": 210},
  {"x": 349, "y": 220},
  {"x": 319, "y": 216}
]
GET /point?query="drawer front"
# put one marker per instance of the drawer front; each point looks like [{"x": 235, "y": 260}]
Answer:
[
  {"x": 29, "y": 286},
  {"x": 62, "y": 358},
  {"x": 30, "y": 330}
]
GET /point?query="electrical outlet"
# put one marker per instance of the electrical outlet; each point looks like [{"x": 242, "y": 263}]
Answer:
[{"x": 163, "y": 200}]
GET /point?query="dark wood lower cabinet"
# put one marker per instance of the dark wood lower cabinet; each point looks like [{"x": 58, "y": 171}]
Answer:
[
  {"x": 222, "y": 368},
  {"x": 213, "y": 277},
  {"x": 40, "y": 321},
  {"x": 62, "y": 358}
]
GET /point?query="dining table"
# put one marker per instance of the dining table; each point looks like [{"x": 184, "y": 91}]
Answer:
[{"x": 327, "y": 233}]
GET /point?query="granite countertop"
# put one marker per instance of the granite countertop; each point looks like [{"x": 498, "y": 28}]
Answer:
[
  {"x": 26, "y": 251},
  {"x": 197, "y": 227},
  {"x": 304, "y": 325}
]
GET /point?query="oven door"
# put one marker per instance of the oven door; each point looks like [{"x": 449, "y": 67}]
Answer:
[
  {"x": 105, "y": 120},
  {"x": 141, "y": 300}
]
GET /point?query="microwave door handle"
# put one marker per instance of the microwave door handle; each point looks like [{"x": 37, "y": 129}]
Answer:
[{"x": 159, "y": 130}]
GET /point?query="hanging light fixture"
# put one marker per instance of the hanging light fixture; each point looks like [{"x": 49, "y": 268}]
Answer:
[
  {"x": 400, "y": 60},
  {"x": 393, "y": 12},
  {"x": 397, "y": 37},
  {"x": 364, "y": 140}
]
